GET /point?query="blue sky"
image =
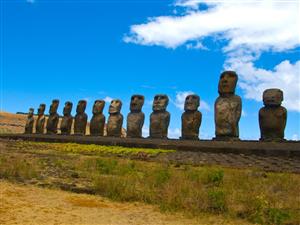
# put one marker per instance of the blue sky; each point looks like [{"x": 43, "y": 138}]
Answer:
[{"x": 74, "y": 50}]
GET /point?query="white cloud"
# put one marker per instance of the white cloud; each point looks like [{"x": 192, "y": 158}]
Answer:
[
  {"x": 204, "y": 105},
  {"x": 180, "y": 99},
  {"x": 174, "y": 133},
  {"x": 196, "y": 45},
  {"x": 108, "y": 99},
  {"x": 295, "y": 137},
  {"x": 285, "y": 76},
  {"x": 145, "y": 131},
  {"x": 248, "y": 29},
  {"x": 256, "y": 25},
  {"x": 244, "y": 114}
]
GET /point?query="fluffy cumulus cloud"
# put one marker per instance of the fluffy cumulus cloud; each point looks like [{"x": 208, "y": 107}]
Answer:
[
  {"x": 108, "y": 99},
  {"x": 248, "y": 28},
  {"x": 180, "y": 99},
  {"x": 285, "y": 76}
]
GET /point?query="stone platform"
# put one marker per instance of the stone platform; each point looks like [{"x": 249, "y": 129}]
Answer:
[{"x": 290, "y": 149}]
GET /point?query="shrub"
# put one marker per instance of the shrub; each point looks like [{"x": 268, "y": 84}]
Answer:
[
  {"x": 215, "y": 177},
  {"x": 277, "y": 216},
  {"x": 106, "y": 166},
  {"x": 161, "y": 176},
  {"x": 217, "y": 202}
]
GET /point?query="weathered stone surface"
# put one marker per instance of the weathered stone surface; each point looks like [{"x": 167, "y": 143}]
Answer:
[
  {"x": 29, "y": 122},
  {"x": 40, "y": 122},
  {"x": 53, "y": 119},
  {"x": 159, "y": 118},
  {"x": 80, "y": 118},
  {"x": 135, "y": 119},
  {"x": 272, "y": 117},
  {"x": 115, "y": 119},
  {"x": 98, "y": 120},
  {"x": 67, "y": 120},
  {"x": 228, "y": 108},
  {"x": 191, "y": 118}
]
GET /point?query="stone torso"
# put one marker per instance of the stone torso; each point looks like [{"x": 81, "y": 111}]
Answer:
[
  {"x": 66, "y": 124},
  {"x": 272, "y": 121},
  {"x": 29, "y": 126},
  {"x": 191, "y": 122},
  {"x": 97, "y": 125},
  {"x": 80, "y": 124},
  {"x": 114, "y": 125},
  {"x": 135, "y": 122},
  {"x": 40, "y": 124},
  {"x": 52, "y": 124},
  {"x": 159, "y": 123},
  {"x": 227, "y": 116}
]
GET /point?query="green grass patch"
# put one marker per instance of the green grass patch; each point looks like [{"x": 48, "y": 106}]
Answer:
[{"x": 89, "y": 148}]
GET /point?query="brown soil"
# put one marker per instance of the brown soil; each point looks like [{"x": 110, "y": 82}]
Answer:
[{"x": 26, "y": 204}]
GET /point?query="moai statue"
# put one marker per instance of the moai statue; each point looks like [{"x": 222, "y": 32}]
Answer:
[
  {"x": 115, "y": 119},
  {"x": 40, "y": 122},
  {"x": 53, "y": 118},
  {"x": 159, "y": 118},
  {"x": 191, "y": 118},
  {"x": 228, "y": 108},
  {"x": 29, "y": 122},
  {"x": 98, "y": 120},
  {"x": 80, "y": 118},
  {"x": 135, "y": 119},
  {"x": 272, "y": 117},
  {"x": 67, "y": 120}
]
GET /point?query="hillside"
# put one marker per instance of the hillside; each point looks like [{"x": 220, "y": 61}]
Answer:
[{"x": 15, "y": 123}]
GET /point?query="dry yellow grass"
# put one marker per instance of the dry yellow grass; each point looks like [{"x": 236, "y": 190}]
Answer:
[
  {"x": 25, "y": 204},
  {"x": 12, "y": 123}
]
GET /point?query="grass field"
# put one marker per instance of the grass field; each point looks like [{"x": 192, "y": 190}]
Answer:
[{"x": 247, "y": 195}]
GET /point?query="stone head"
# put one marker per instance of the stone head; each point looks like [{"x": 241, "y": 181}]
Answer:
[
  {"x": 272, "y": 97},
  {"x": 81, "y": 106},
  {"x": 136, "y": 103},
  {"x": 160, "y": 102},
  {"x": 227, "y": 82},
  {"x": 30, "y": 113},
  {"x": 68, "y": 108},
  {"x": 54, "y": 106},
  {"x": 115, "y": 106},
  {"x": 41, "y": 109},
  {"x": 98, "y": 106},
  {"x": 191, "y": 103}
]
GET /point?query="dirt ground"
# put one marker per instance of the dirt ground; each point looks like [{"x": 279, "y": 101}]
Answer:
[{"x": 26, "y": 204}]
